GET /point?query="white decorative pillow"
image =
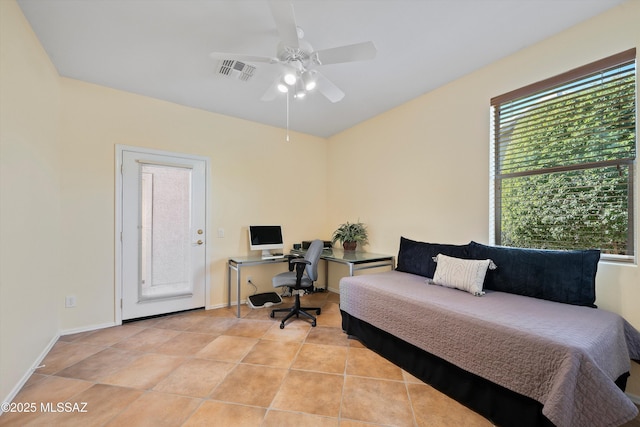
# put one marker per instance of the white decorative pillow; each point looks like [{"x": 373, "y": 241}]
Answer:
[{"x": 464, "y": 274}]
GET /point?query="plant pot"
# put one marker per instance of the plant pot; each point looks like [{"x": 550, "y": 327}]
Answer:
[{"x": 349, "y": 246}]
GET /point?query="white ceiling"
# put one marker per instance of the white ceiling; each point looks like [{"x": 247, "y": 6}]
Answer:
[{"x": 160, "y": 48}]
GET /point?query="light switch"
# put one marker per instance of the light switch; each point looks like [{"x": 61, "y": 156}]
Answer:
[{"x": 70, "y": 301}]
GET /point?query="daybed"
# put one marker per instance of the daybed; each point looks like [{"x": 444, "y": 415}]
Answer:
[{"x": 530, "y": 349}]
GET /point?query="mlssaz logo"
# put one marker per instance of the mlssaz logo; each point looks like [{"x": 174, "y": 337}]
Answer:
[{"x": 63, "y": 407}]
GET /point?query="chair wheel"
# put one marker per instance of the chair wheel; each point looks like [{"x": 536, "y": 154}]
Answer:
[
  {"x": 313, "y": 323},
  {"x": 272, "y": 315},
  {"x": 318, "y": 311},
  {"x": 282, "y": 325}
]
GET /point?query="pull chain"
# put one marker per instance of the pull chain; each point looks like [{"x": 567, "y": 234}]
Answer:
[{"x": 287, "y": 116}]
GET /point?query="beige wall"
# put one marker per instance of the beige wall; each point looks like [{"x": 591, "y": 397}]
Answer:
[
  {"x": 253, "y": 180},
  {"x": 421, "y": 171},
  {"x": 58, "y": 199},
  {"x": 424, "y": 166},
  {"x": 30, "y": 199}
]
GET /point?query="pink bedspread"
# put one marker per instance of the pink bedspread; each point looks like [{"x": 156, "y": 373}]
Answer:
[{"x": 565, "y": 357}]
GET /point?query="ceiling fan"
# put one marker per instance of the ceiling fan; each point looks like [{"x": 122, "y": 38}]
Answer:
[{"x": 299, "y": 60}]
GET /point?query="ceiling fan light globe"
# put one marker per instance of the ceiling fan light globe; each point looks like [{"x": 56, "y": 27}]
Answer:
[
  {"x": 309, "y": 80},
  {"x": 290, "y": 79}
]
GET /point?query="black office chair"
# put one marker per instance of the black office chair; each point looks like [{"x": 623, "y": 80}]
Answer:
[{"x": 301, "y": 275}]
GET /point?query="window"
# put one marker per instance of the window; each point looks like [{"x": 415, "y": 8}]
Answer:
[{"x": 563, "y": 160}]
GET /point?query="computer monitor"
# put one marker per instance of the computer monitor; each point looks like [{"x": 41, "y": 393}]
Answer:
[{"x": 266, "y": 238}]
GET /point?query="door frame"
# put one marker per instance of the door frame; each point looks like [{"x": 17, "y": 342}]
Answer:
[{"x": 119, "y": 148}]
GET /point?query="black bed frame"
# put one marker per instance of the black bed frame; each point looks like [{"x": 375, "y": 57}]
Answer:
[{"x": 499, "y": 405}]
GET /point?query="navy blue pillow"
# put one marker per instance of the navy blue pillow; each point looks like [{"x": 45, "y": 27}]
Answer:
[
  {"x": 555, "y": 275},
  {"x": 416, "y": 257}
]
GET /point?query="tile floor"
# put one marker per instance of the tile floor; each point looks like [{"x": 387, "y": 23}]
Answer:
[{"x": 208, "y": 368}]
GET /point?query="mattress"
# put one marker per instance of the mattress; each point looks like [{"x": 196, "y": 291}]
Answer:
[{"x": 565, "y": 357}]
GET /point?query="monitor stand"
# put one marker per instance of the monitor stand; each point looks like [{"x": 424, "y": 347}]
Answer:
[{"x": 266, "y": 254}]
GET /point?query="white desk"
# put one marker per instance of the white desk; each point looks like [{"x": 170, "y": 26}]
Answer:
[{"x": 356, "y": 261}]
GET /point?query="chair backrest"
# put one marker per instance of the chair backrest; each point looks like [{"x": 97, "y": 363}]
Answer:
[{"x": 313, "y": 256}]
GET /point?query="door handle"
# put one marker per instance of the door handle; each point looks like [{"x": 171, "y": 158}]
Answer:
[{"x": 199, "y": 242}]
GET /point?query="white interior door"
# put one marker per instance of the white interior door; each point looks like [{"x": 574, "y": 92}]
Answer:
[{"x": 163, "y": 234}]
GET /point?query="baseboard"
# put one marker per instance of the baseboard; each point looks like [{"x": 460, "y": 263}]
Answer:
[
  {"x": 46, "y": 351},
  {"x": 223, "y": 305},
  {"x": 16, "y": 389},
  {"x": 244, "y": 301},
  {"x": 86, "y": 328}
]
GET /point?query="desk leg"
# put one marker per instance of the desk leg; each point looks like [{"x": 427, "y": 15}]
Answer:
[
  {"x": 326, "y": 275},
  {"x": 238, "y": 290},
  {"x": 237, "y": 269},
  {"x": 228, "y": 285}
]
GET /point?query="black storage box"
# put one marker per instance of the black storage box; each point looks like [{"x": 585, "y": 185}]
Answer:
[{"x": 307, "y": 243}]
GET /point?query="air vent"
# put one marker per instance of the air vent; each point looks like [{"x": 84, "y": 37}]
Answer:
[{"x": 236, "y": 69}]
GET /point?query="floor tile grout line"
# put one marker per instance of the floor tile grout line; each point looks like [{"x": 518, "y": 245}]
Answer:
[
  {"x": 153, "y": 349},
  {"x": 413, "y": 412},
  {"x": 344, "y": 382}
]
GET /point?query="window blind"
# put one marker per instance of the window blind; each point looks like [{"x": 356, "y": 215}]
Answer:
[{"x": 565, "y": 151}]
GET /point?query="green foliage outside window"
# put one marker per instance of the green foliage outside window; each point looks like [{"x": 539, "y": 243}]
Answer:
[
  {"x": 564, "y": 170},
  {"x": 569, "y": 210}
]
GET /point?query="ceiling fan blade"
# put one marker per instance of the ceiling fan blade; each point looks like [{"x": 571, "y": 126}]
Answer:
[
  {"x": 285, "y": 19},
  {"x": 271, "y": 93},
  {"x": 243, "y": 58},
  {"x": 349, "y": 53},
  {"x": 328, "y": 89}
]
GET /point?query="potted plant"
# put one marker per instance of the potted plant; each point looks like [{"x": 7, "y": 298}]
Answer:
[{"x": 350, "y": 234}]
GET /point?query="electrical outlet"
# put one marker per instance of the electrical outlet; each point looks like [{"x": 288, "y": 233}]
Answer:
[
  {"x": 70, "y": 301},
  {"x": 248, "y": 279}
]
